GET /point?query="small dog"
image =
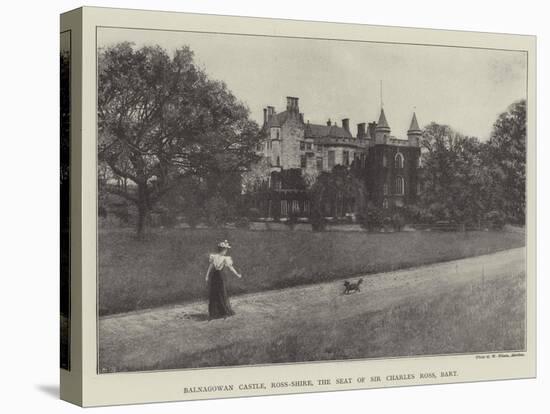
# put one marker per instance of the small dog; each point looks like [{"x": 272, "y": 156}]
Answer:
[{"x": 351, "y": 287}]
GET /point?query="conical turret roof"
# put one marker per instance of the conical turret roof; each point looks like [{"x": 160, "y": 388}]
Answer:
[
  {"x": 414, "y": 124},
  {"x": 382, "y": 121}
]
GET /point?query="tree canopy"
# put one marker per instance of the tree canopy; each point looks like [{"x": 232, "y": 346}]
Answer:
[
  {"x": 161, "y": 119},
  {"x": 465, "y": 179}
]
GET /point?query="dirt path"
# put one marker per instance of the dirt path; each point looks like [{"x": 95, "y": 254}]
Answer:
[{"x": 151, "y": 339}]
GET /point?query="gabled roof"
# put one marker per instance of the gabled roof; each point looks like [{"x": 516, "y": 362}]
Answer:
[
  {"x": 382, "y": 122},
  {"x": 414, "y": 124},
  {"x": 277, "y": 120},
  {"x": 321, "y": 131}
]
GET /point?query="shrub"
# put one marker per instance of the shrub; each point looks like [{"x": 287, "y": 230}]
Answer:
[
  {"x": 253, "y": 213},
  {"x": 242, "y": 222},
  {"x": 218, "y": 211},
  {"x": 102, "y": 212},
  {"x": 398, "y": 221},
  {"x": 122, "y": 213},
  {"x": 317, "y": 221},
  {"x": 292, "y": 220},
  {"x": 496, "y": 219},
  {"x": 375, "y": 218},
  {"x": 168, "y": 219}
]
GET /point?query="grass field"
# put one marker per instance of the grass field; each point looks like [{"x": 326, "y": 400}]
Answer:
[
  {"x": 169, "y": 267},
  {"x": 487, "y": 317},
  {"x": 468, "y": 305}
]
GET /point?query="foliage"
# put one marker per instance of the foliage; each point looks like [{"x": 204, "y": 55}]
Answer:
[
  {"x": 453, "y": 180},
  {"x": 256, "y": 177},
  {"x": 464, "y": 179},
  {"x": 242, "y": 222},
  {"x": 218, "y": 211},
  {"x": 496, "y": 219},
  {"x": 506, "y": 158},
  {"x": 160, "y": 119},
  {"x": 336, "y": 189},
  {"x": 317, "y": 220},
  {"x": 398, "y": 221},
  {"x": 292, "y": 220}
]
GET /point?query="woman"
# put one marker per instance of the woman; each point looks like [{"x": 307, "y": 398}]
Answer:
[{"x": 218, "y": 305}]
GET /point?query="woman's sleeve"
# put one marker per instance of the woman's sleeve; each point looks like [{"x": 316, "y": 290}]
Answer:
[
  {"x": 211, "y": 258},
  {"x": 228, "y": 261}
]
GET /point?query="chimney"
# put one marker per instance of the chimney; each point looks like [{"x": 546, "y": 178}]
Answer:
[
  {"x": 361, "y": 130},
  {"x": 265, "y": 116},
  {"x": 345, "y": 124},
  {"x": 292, "y": 104},
  {"x": 301, "y": 117},
  {"x": 371, "y": 129},
  {"x": 270, "y": 112},
  {"x": 329, "y": 122}
]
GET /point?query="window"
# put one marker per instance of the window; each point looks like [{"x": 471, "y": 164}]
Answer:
[
  {"x": 399, "y": 160},
  {"x": 331, "y": 159},
  {"x": 319, "y": 161},
  {"x": 275, "y": 133},
  {"x": 303, "y": 161},
  {"x": 278, "y": 134},
  {"x": 302, "y": 145},
  {"x": 284, "y": 208},
  {"x": 384, "y": 161},
  {"x": 385, "y": 203},
  {"x": 399, "y": 185},
  {"x": 385, "y": 189},
  {"x": 418, "y": 188},
  {"x": 309, "y": 146},
  {"x": 278, "y": 160},
  {"x": 318, "y": 147},
  {"x": 345, "y": 156},
  {"x": 268, "y": 159}
]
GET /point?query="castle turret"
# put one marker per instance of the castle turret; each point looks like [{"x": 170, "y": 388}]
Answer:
[
  {"x": 414, "y": 133},
  {"x": 383, "y": 130}
]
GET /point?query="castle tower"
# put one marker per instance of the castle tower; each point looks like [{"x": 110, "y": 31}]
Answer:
[
  {"x": 382, "y": 131},
  {"x": 414, "y": 133}
]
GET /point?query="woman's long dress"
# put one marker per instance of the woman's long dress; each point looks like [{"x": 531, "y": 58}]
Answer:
[{"x": 218, "y": 301}]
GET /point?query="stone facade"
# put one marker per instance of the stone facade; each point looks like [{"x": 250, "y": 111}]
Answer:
[{"x": 390, "y": 165}]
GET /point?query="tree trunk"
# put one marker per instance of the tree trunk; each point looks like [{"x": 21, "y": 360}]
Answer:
[{"x": 143, "y": 209}]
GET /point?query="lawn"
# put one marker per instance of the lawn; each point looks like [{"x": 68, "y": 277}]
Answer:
[
  {"x": 169, "y": 267},
  {"x": 477, "y": 318}
]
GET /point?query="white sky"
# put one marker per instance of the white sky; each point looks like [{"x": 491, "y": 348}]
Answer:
[{"x": 465, "y": 88}]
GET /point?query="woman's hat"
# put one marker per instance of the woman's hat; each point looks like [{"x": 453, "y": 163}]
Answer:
[{"x": 224, "y": 245}]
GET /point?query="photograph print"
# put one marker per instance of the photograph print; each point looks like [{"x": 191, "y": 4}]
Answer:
[{"x": 274, "y": 200}]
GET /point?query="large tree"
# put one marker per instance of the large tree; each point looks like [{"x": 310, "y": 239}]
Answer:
[
  {"x": 506, "y": 156},
  {"x": 454, "y": 178},
  {"x": 161, "y": 119}
]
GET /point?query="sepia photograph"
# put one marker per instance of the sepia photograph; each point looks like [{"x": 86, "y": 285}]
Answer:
[{"x": 281, "y": 200}]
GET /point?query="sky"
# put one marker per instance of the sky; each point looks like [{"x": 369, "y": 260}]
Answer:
[{"x": 465, "y": 88}]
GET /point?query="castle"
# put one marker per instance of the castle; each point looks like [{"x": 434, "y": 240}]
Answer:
[{"x": 388, "y": 165}]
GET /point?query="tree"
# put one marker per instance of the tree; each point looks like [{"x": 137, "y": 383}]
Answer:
[
  {"x": 161, "y": 119},
  {"x": 506, "y": 157},
  {"x": 454, "y": 176},
  {"x": 337, "y": 189},
  {"x": 256, "y": 177}
]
